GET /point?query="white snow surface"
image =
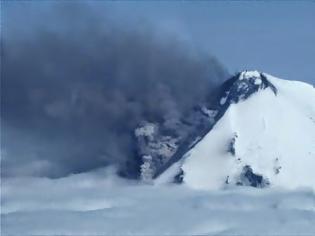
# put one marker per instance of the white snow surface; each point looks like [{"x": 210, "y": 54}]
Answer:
[
  {"x": 275, "y": 133},
  {"x": 100, "y": 204},
  {"x": 249, "y": 74}
]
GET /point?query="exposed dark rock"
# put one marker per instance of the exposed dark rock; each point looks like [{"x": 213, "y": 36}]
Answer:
[
  {"x": 231, "y": 145},
  {"x": 249, "y": 178},
  {"x": 179, "y": 177}
]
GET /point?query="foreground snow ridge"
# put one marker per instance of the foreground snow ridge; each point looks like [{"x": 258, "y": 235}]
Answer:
[{"x": 264, "y": 137}]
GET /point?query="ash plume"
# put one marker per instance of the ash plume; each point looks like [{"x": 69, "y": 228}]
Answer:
[{"x": 75, "y": 86}]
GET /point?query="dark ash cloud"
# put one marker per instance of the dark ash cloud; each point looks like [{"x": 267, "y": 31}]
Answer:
[{"x": 76, "y": 85}]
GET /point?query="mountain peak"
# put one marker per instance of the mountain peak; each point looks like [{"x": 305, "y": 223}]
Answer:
[
  {"x": 250, "y": 74},
  {"x": 242, "y": 85},
  {"x": 263, "y": 136}
]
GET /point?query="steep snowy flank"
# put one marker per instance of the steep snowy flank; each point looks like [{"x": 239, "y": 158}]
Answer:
[{"x": 264, "y": 135}]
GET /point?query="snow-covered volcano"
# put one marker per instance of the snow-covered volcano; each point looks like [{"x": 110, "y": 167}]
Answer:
[{"x": 264, "y": 135}]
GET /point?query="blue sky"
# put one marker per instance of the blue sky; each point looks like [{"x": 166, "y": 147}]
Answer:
[{"x": 276, "y": 36}]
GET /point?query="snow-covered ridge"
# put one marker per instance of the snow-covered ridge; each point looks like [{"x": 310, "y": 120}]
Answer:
[
  {"x": 242, "y": 85},
  {"x": 249, "y": 75},
  {"x": 264, "y": 136}
]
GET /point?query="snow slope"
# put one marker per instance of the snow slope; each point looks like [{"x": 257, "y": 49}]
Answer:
[{"x": 263, "y": 138}]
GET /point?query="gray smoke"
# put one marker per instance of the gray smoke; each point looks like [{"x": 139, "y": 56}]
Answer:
[{"x": 76, "y": 85}]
